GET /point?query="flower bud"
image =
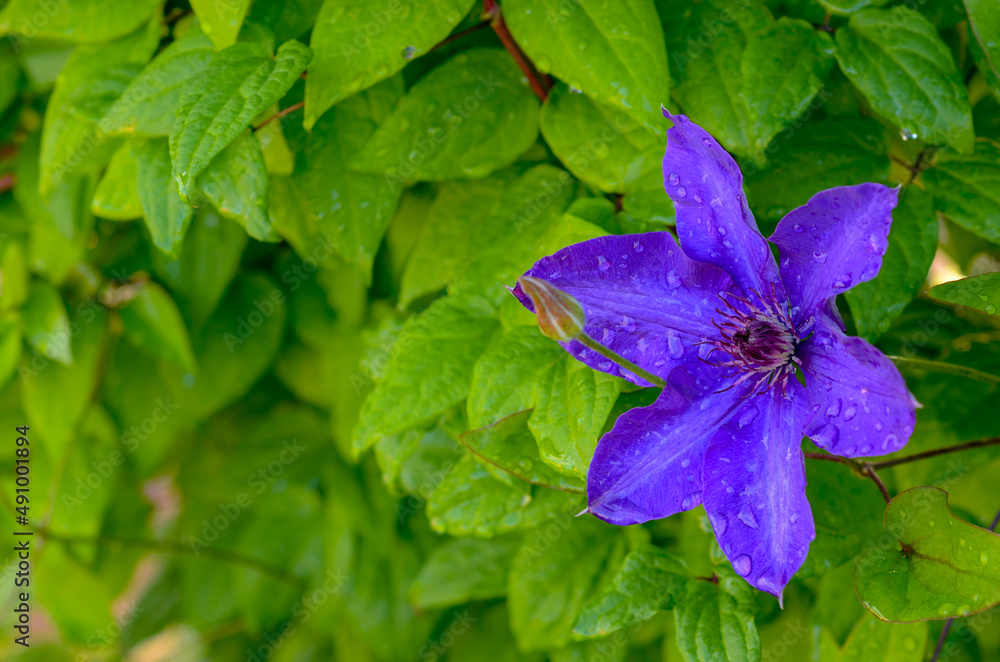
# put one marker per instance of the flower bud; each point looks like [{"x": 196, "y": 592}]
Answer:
[{"x": 560, "y": 317}]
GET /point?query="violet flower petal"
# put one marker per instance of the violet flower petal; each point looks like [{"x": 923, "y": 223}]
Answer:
[
  {"x": 649, "y": 466},
  {"x": 833, "y": 242},
  {"x": 858, "y": 402},
  {"x": 755, "y": 488},
  {"x": 714, "y": 223},
  {"x": 642, "y": 296}
]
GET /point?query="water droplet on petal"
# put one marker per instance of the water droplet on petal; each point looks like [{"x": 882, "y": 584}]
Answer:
[
  {"x": 819, "y": 257},
  {"x": 797, "y": 228},
  {"x": 637, "y": 246},
  {"x": 691, "y": 500},
  {"x": 747, "y": 417},
  {"x": 878, "y": 426},
  {"x": 719, "y": 523},
  {"x": 850, "y": 413},
  {"x": 747, "y": 517},
  {"x": 722, "y": 230},
  {"x": 827, "y": 436},
  {"x": 889, "y": 441},
  {"x": 675, "y": 348},
  {"x": 602, "y": 263},
  {"x": 786, "y": 262},
  {"x": 707, "y": 141},
  {"x": 843, "y": 281},
  {"x": 673, "y": 280},
  {"x": 867, "y": 448},
  {"x": 673, "y": 179},
  {"x": 681, "y": 192},
  {"x": 834, "y": 409},
  {"x": 742, "y": 565},
  {"x": 685, "y": 463},
  {"x": 605, "y": 365}
]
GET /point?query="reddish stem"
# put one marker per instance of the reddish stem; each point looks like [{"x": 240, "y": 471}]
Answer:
[
  {"x": 7, "y": 181},
  {"x": 282, "y": 113},
  {"x": 540, "y": 83}
]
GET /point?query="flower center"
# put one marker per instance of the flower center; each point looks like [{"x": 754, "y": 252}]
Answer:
[{"x": 757, "y": 338}]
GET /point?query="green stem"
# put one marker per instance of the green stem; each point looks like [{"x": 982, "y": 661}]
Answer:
[
  {"x": 590, "y": 343},
  {"x": 946, "y": 368}
]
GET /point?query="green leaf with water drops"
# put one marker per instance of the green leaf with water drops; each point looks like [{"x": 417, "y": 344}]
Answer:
[
  {"x": 464, "y": 569},
  {"x": 431, "y": 368},
  {"x": 554, "y": 574},
  {"x": 167, "y": 216},
  {"x": 523, "y": 369},
  {"x": 906, "y": 72},
  {"x": 821, "y": 154},
  {"x": 873, "y": 640},
  {"x": 238, "y": 84},
  {"x": 469, "y": 501},
  {"x": 509, "y": 445},
  {"x": 941, "y": 567},
  {"x": 966, "y": 189},
  {"x": 650, "y": 579},
  {"x": 715, "y": 619},
  {"x": 981, "y": 293},
  {"x": 613, "y": 52},
  {"x": 601, "y": 144},
  {"x": 783, "y": 67},
  {"x": 467, "y": 118},
  {"x": 235, "y": 182},
  {"x": 913, "y": 241},
  {"x": 221, "y": 19},
  {"x": 349, "y": 209},
  {"x": 358, "y": 44}
]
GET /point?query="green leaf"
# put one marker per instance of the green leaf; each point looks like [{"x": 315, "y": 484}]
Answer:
[
  {"x": 153, "y": 323},
  {"x": 601, "y": 144},
  {"x": 847, "y": 513},
  {"x": 821, "y": 154},
  {"x": 221, "y": 20},
  {"x": 349, "y": 209},
  {"x": 167, "y": 216},
  {"x": 901, "y": 66},
  {"x": 149, "y": 104},
  {"x": 509, "y": 445},
  {"x": 875, "y": 641},
  {"x": 360, "y": 44},
  {"x": 613, "y": 52},
  {"x": 977, "y": 293},
  {"x": 469, "y": 501},
  {"x": 14, "y": 272},
  {"x": 556, "y": 571},
  {"x": 967, "y": 188},
  {"x": 912, "y": 244},
  {"x": 462, "y": 570},
  {"x": 85, "y": 21},
  {"x": 93, "y": 77},
  {"x": 715, "y": 620},
  {"x": 288, "y": 20},
  {"x": 46, "y": 324},
  {"x": 10, "y": 76},
  {"x": 431, "y": 369},
  {"x": 497, "y": 229},
  {"x": 984, "y": 24},
  {"x": 523, "y": 369},
  {"x": 946, "y": 567},
  {"x": 238, "y": 84},
  {"x": 235, "y": 182},
  {"x": 649, "y": 580},
  {"x": 209, "y": 259},
  {"x": 710, "y": 86},
  {"x": 467, "y": 118},
  {"x": 847, "y": 7},
  {"x": 10, "y": 348},
  {"x": 117, "y": 195},
  {"x": 783, "y": 67},
  {"x": 55, "y": 396}
]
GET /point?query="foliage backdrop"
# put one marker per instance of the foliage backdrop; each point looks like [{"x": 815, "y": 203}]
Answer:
[{"x": 281, "y": 405}]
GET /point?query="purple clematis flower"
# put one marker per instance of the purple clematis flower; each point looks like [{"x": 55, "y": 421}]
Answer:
[{"x": 727, "y": 327}]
